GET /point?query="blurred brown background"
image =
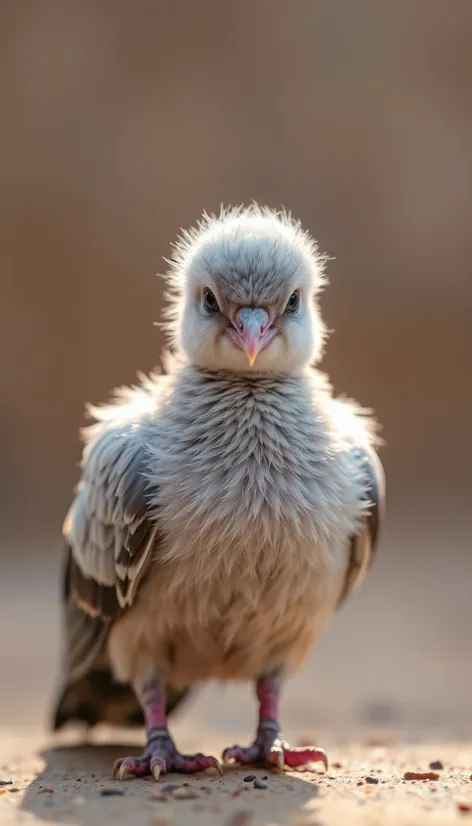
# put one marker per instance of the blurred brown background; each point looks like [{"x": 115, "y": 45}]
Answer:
[{"x": 120, "y": 122}]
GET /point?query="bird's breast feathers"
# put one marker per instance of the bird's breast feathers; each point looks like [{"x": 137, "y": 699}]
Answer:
[{"x": 246, "y": 471}]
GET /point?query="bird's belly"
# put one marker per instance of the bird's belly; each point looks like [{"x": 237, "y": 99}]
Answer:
[{"x": 230, "y": 628}]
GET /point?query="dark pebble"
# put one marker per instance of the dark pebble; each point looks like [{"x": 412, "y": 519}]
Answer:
[
  {"x": 249, "y": 778},
  {"x": 265, "y": 777},
  {"x": 6, "y": 782},
  {"x": 436, "y": 765},
  {"x": 370, "y": 779},
  {"x": 169, "y": 788},
  {"x": 259, "y": 784},
  {"x": 111, "y": 792},
  {"x": 13, "y": 791}
]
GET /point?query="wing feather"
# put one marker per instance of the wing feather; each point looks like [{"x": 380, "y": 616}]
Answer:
[
  {"x": 109, "y": 537},
  {"x": 363, "y": 545}
]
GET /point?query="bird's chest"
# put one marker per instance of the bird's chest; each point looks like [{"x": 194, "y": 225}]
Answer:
[
  {"x": 247, "y": 469},
  {"x": 254, "y": 510}
]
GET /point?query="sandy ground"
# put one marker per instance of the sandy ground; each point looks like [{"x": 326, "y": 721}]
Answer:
[{"x": 73, "y": 785}]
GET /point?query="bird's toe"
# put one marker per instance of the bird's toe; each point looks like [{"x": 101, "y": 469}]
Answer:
[
  {"x": 274, "y": 758},
  {"x": 127, "y": 767},
  {"x": 191, "y": 763},
  {"x": 241, "y": 754},
  {"x": 158, "y": 766},
  {"x": 272, "y": 751},
  {"x": 298, "y": 757}
]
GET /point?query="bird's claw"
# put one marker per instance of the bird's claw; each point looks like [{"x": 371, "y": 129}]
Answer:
[
  {"x": 272, "y": 751},
  {"x": 128, "y": 767},
  {"x": 120, "y": 773},
  {"x": 162, "y": 757},
  {"x": 157, "y": 766}
]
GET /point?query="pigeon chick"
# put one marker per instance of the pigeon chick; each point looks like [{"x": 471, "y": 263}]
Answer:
[{"x": 226, "y": 508}]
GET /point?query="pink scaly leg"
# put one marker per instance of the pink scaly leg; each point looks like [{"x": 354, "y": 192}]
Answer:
[
  {"x": 160, "y": 754},
  {"x": 270, "y": 747}
]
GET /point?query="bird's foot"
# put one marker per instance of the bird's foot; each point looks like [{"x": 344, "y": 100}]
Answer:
[
  {"x": 161, "y": 756},
  {"x": 272, "y": 751}
]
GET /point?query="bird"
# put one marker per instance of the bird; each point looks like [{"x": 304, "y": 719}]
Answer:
[{"x": 228, "y": 503}]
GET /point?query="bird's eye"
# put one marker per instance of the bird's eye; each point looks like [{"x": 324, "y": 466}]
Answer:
[
  {"x": 209, "y": 301},
  {"x": 293, "y": 302}
]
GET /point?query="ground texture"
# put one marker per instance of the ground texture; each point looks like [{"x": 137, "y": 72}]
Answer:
[{"x": 365, "y": 784}]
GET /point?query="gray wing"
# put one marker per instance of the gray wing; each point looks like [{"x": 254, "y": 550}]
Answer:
[
  {"x": 363, "y": 546},
  {"x": 109, "y": 538}
]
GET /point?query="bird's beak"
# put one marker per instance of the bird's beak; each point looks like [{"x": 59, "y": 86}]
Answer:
[{"x": 252, "y": 326}]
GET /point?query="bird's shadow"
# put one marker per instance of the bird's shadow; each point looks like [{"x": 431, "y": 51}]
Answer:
[{"x": 76, "y": 786}]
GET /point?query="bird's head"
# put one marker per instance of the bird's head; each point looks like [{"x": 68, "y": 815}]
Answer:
[{"x": 243, "y": 293}]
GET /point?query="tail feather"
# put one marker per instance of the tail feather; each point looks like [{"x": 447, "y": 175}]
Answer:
[{"x": 97, "y": 698}]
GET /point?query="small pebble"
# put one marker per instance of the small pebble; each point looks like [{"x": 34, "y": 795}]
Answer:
[
  {"x": 249, "y": 778},
  {"x": 184, "y": 793},
  {"x": 259, "y": 784},
  {"x": 48, "y": 789},
  {"x": 437, "y": 765},
  {"x": 421, "y": 776},
  {"x": 241, "y": 818},
  {"x": 112, "y": 792},
  {"x": 169, "y": 788},
  {"x": 162, "y": 797},
  {"x": 6, "y": 782},
  {"x": 370, "y": 779},
  {"x": 464, "y": 806}
]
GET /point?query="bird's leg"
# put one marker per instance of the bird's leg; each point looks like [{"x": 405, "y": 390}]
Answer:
[
  {"x": 270, "y": 747},
  {"x": 160, "y": 754}
]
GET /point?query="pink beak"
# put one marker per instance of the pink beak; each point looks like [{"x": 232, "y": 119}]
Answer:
[{"x": 252, "y": 331}]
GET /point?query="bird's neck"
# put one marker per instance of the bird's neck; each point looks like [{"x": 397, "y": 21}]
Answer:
[{"x": 250, "y": 375}]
